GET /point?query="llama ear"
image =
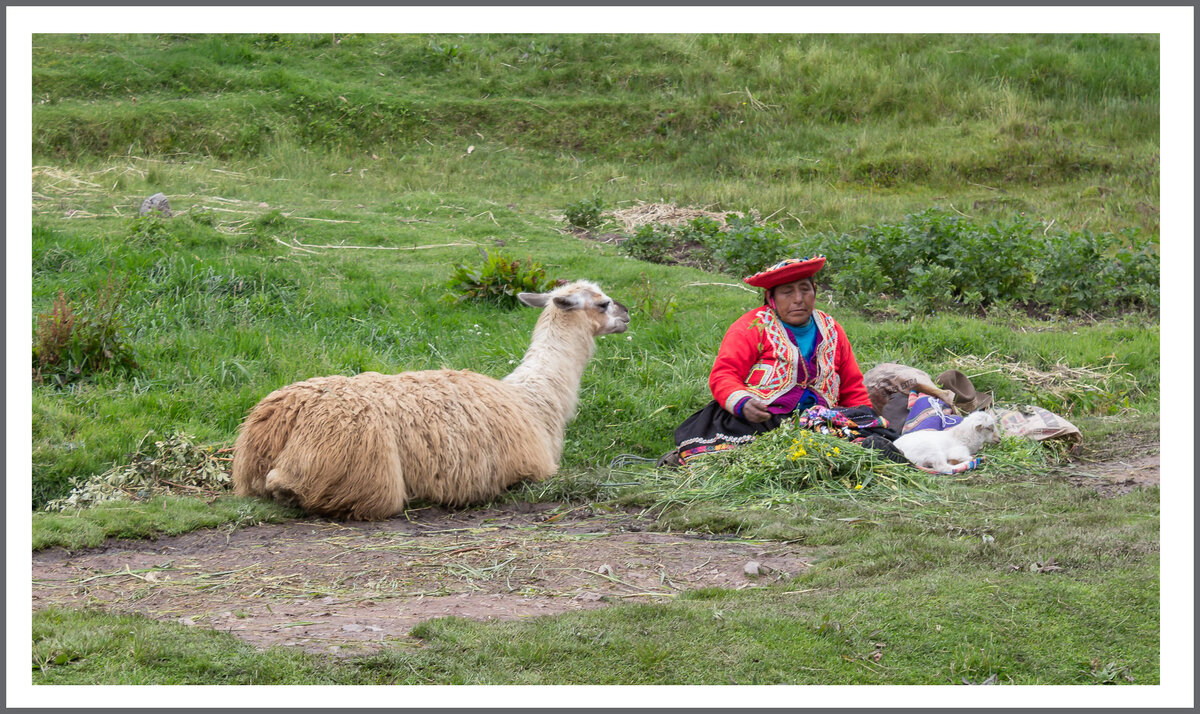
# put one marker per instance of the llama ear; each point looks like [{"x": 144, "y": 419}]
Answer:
[
  {"x": 534, "y": 299},
  {"x": 567, "y": 302}
]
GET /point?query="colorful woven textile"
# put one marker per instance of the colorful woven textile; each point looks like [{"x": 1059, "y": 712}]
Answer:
[
  {"x": 959, "y": 468},
  {"x": 686, "y": 455},
  {"x": 846, "y": 423},
  {"x": 926, "y": 412}
]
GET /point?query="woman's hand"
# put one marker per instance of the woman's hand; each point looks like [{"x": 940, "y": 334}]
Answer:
[{"x": 755, "y": 410}]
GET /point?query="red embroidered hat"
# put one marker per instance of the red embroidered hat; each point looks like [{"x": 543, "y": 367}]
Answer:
[{"x": 786, "y": 271}]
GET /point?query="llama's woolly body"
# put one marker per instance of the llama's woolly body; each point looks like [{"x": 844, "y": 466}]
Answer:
[
  {"x": 942, "y": 450},
  {"x": 361, "y": 447}
]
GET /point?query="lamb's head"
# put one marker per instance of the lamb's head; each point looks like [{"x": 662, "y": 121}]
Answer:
[
  {"x": 586, "y": 299},
  {"x": 983, "y": 428}
]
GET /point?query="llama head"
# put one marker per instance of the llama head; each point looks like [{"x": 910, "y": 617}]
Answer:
[
  {"x": 984, "y": 426},
  {"x": 586, "y": 299}
]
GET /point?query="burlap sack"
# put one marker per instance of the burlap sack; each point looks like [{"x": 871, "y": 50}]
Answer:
[
  {"x": 1037, "y": 424},
  {"x": 887, "y": 379}
]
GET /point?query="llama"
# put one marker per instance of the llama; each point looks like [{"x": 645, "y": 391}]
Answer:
[
  {"x": 942, "y": 450},
  {"x": 362, "y": 447}
]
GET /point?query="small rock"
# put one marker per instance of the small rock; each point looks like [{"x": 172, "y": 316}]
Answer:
[
  {"x": 588, "y": 597},
  {"x": 187, "y": 621},
  {"x": 605, "y": 569},
  {"x": 752, "y": 568},
  {"x": 158, "y": 202}
]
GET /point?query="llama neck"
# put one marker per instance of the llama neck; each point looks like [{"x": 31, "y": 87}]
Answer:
[{"x": 553, "y": 365}]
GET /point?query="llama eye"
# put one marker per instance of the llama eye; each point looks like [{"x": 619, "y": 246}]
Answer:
[{"x": 603, "y": 305}]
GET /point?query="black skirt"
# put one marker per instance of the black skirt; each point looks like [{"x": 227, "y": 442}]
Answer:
[{"x": 714, "y": 429}]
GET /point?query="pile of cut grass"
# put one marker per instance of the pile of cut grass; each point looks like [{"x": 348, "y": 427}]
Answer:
[{"x": 782, "y": 468}]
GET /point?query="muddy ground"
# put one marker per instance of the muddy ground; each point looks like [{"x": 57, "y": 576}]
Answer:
[
  {"x": 351, "y": 587},
  {"x": 1117, "y": 466},
  {"x": 348, "y": 588}
]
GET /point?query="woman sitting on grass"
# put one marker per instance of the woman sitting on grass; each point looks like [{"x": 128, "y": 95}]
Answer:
[{"x": 783, "y": 357}]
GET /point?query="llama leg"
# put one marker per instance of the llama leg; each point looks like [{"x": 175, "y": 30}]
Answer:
[
  {"x": 250, "y": 467},
  {"x": 278, "y": 487},
  {"x": 376, "y": 485}
]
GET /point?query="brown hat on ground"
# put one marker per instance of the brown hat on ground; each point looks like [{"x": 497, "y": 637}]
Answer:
[{"x": 966, "y": 399}]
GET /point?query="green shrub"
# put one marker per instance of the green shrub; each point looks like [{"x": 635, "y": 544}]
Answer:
[
  {"x": 746, "y": 246},
  {"x": 498, "y": 281},
  {"x": 202, "y": 216},
  {"x": 1082, "y": 271},
  {"x": 149, "y": 229},
  {"x": 585, "y": 213},
  {"x": 444, "y": 54},
  {"x": 936, "y": 261},
  {"x": 73, "y": 343},
  {"x": 702, "y": 230},
  {"x": 650, "y": 242}
]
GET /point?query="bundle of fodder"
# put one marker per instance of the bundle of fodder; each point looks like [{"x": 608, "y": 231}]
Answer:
[
  {"x": 782, "y": 463},
  {"x": 174, "y": 465}
]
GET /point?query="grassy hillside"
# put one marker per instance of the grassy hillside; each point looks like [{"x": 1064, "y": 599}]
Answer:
[
  {"x": 325, "y": 187},
  {"x": 828, "y": 131},
  {"x": 264, "y": 139}
]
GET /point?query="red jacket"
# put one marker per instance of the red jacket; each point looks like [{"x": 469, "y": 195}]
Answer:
[{"x": 757, "y": 359}]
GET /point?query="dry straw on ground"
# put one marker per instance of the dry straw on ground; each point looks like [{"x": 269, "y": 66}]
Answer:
[
  {"x": 660, "y": 213},
  {"x": 1060, "y": 380}
]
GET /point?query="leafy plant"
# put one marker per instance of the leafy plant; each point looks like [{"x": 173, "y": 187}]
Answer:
[
  {"x": 147, "y": 230},
  {"x": 650, "y": 242},
  {"x": 497, "y": 281},
  {"x": 934, "y": 261},
  {"x": 585, "y": 213},
  {"x": 702, "y": 230},
  {"x": 1109, "y": 673},
  {"x": 72, "y": 343},
  {"x": 747, "y": 246},
  {"x": 446, "y": 53}
]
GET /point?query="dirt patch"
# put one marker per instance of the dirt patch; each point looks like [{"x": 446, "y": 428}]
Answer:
[
  {"x": 1115, "y": 478},
  {"x": 1117, "y": 466},
  {"x": 348, "y": 588}
]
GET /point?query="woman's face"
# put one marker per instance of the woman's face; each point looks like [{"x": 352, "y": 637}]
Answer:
[{"x": 794, "y": 302}]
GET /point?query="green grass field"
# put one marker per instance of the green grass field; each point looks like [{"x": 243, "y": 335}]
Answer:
[{"x": 324, "y": 191}]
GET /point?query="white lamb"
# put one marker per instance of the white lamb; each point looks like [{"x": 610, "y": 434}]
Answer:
[{"x": 945, "y": 449}]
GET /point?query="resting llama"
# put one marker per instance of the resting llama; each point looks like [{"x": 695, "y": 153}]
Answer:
[{"x": 361, "y": 447}]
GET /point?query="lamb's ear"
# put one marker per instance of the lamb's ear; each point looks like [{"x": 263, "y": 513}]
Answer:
[
  {"x": 568, "y": 302},
  {"x": 534, "y": 299}
]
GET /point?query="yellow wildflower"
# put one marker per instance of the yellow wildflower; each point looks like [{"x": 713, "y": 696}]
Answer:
[{"x": 858, "y": 487}]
